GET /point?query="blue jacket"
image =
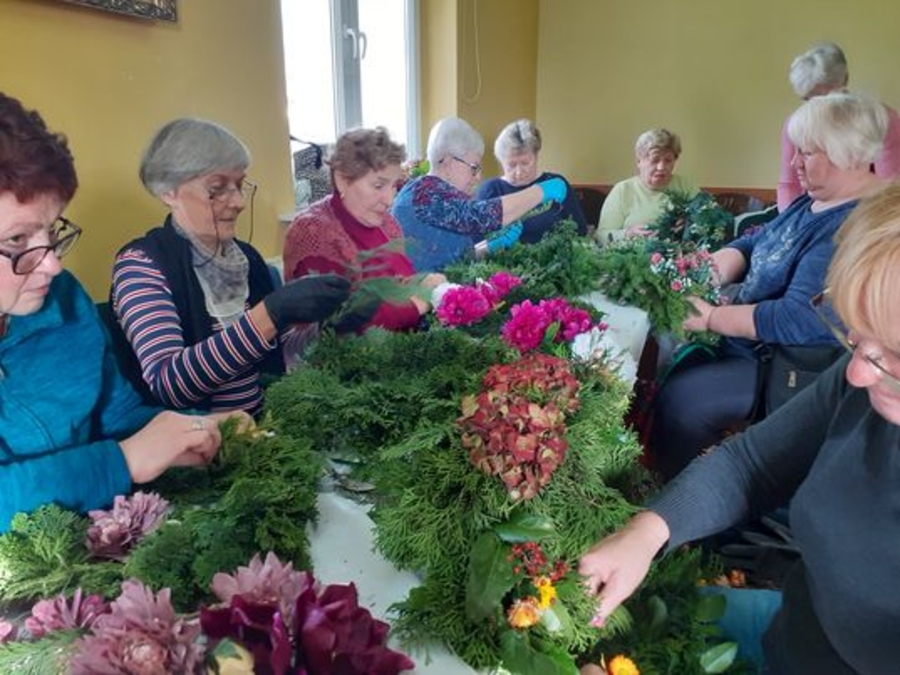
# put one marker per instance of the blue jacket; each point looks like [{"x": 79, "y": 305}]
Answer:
[{"x": 63, "y": 407}]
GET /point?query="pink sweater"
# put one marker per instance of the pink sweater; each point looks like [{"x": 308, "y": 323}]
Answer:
[{"x": 887, "y": 165}]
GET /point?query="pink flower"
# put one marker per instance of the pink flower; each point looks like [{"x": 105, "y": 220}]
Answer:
[
  {"x": 462, "y": 306},
  {"x": 656, "y": 258},
  {"x": 264, "y": 583},
  {"x": 114, "y": 533},
  {"x": 57, "y": 614},
  {"x": 526, "y": 326},
  {"x": 675, "y": 285},
  {"x": 7, "y": 631},
  {"x": 503, "y": 283},
  {"x": 142, "y": 635}
]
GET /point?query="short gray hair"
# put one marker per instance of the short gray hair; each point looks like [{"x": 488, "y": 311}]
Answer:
[
  {"x": 821, "y": 66},
  {"x": 657, "y": 139},
  {"x": 518, "y": 136},
  {"x": 186, "y": 148},
  {"x": 452, "y": 136},
  {"x": 849, "y": 128}
]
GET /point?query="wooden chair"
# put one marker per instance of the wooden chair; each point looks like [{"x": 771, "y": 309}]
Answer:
[{"x": 591, "y": 201}]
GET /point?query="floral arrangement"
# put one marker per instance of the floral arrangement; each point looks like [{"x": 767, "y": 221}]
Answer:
[
  {"x": 515, "y": 428},
  {"x": 272, "y": 618},
  {"x": 548, "y": 322},
  {"x": 464, "y": 305},
  {"x": 692, "y": 220}
]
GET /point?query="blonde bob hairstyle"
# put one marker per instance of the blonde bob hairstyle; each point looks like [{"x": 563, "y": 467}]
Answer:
[
  {"x": 864, "y": 277},
  {"x": 847, "y": 127},
  {"x": 657, "y": 139}
]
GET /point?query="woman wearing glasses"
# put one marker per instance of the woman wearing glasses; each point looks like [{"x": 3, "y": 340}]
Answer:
[
  {"x": 779, "y": 269},
  {"x": 72, "y": 430},
  {"x": 197, "y": 306},
  {"x": 439, "y": 218},
  {"x": 833, "y": 452}
]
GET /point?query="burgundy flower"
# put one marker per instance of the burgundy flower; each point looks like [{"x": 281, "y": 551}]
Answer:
[
  {"x": 114, "y": 533},
  {"x": 141, "y": 635},
  {"x": 58, "y": 614}
]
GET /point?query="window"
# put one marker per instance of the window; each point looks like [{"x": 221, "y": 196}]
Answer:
[{"x": 350, "y": 63}]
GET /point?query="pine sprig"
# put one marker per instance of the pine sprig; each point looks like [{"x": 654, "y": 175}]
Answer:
[{"x": 48, "y": 656}]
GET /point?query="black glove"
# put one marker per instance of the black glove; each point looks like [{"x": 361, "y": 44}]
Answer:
[
  {"x": 307, "y": 299},
  {"x": 362, "y": 307}
]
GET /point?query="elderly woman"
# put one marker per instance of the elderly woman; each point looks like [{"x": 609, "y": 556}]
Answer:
[
  {"x": 517, "y": 148},
  {"x": 781, "y": 267},
  {"x": 197, "y": 305},
  {"x": 441, "y": 221},
  {"x": 820, "y": 70},
  {"x": 634, "y": 203},
  {"x": 832, "y": 452},
  {"x": 352, "y": 233},
  {"x": 73, "y": 431}
]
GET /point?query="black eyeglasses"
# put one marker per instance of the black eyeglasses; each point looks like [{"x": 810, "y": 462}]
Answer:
[
  {"x": 474, "y": 168},
  {"x": 64, "y": 233},
  {"x": 818, "y": 304},
  {"x": 224, "y": 193}
]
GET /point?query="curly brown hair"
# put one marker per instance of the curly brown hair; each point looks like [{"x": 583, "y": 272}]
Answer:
[
  {"x": 33, "y": 160},
  {"x": 360, "y": 151}
]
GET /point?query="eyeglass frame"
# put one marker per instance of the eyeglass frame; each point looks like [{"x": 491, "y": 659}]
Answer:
[
  {"x": 474, "y": 168},
  {"x": 247, "y": 190},
  {"x": 843, "y": 337},
  {"x": 66, "y": 243}
]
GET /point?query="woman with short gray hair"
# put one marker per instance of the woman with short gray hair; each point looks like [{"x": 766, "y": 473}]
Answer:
[
  {"x": 818, "y": 71},
  {"x": 440, "y": 220},
  {"x": 197, "y": 306},
  {"x": 516, "y": 148},
  {"x": 636, "y": 202},
  {"x": 780, "y": 268}
]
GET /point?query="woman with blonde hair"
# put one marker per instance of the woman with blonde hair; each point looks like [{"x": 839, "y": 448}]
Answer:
[
  {"x": 833, "y": 454},
  {"x": 634, "y": 203}
]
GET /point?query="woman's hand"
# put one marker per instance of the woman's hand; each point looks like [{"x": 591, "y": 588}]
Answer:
[
  {"x": 244, "y": 421},
  {"x": 698, "y": 319},
  {"x": 171, "y": 439},
  {"x": 615, "y": 567},
  {"x": 433, "y": 280},
  {"x": 636, "y": 231}
]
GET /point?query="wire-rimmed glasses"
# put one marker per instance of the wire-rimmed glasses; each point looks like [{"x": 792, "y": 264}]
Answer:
[
  {"x": 226, "y": 192},
  {"x": 63, "y": 235},
  {"x": 474, "y": 168},
  {"x": 845, "y": 338}
]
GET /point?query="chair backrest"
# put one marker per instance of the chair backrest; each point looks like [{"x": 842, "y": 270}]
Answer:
[
  {"x": 591, "y": 201},
  {"x": 747, "y": 221},
  {"x": 737, "y": 203}
]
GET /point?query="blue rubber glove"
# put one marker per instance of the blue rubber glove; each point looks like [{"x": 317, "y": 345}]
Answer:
[
  {"x": 509, "y": 237},
  {"x": 554, "y": 189}
]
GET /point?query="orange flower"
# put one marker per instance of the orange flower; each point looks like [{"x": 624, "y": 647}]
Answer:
[
  {"x": 524, "y": 613},
  {"x": 547, "y": 591},
  {"x": 622, "y": 665}
]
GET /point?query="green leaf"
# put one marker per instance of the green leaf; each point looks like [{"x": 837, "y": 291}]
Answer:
[
  {"x": 659, "y": 612},
  {"x": 556, "y": 619},
  {"x": 710, "y": 608},
  {"x": 525, "y": 527},
  {"x": 490, "y": 577},
  {"x": 718, "y": 659},
  {"x": 520, "y": 657}
]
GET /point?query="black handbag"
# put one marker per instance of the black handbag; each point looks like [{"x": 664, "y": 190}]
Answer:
[{"x": 784, "y": 370}]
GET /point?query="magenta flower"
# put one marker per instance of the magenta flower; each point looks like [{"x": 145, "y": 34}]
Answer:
[
  {"x": 114, "y": 533},
  {"x": 263, "y": 583},
  {"x": 141, "y": 635},
  {"x": 7, "y": 631},
  {"x": 676, "y": 285},
  {"x": 48, "y": 616},
  {"x": 462, "y": 306},
  {"x": 498, "y": 286},
  {"x": 526, "y": 326}
]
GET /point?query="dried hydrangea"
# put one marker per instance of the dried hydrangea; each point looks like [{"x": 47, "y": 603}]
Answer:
[
  {"x": 114, "y": 533},
  {"x": 141, "y": 635},
  {"x": 60, "y": 613}
]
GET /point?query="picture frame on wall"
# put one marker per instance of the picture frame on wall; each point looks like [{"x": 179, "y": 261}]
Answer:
[{"x": 162, "y": 10}]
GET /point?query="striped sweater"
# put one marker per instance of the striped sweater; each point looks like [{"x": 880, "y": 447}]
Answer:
[{"x": 221, "y": 371}]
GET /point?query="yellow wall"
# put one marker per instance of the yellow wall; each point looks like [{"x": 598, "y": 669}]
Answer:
[
  {"x": 714, "y": 71},
  {"x": 108, "y": 82},
  {"x": 478, "y": 62}
]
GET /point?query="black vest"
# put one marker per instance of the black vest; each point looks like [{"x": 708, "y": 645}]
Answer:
[{"x": 172, "y": 254}]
